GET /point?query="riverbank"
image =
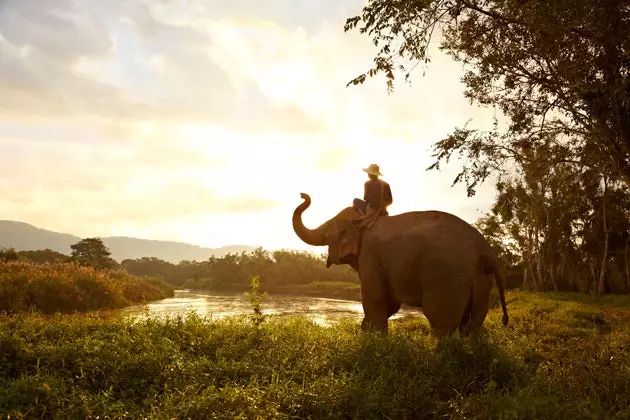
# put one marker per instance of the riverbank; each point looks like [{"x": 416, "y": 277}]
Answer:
[
  {"x": 563, "y": 356},
  {"x": 319, "y": 289},
  {"x": 68, "y": 287}
]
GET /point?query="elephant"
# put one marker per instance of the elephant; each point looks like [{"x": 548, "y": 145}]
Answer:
[{"x": 428, "y": 259}]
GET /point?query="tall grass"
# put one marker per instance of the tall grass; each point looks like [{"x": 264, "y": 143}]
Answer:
[
  {"x": 69, "y": 287},
  {"x": 558, "y": 359}
]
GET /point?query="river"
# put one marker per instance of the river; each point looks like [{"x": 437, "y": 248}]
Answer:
[{"x": 321, "y": 311}]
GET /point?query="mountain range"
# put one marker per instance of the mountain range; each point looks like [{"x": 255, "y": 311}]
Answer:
[{"x": 25, "y": 237}]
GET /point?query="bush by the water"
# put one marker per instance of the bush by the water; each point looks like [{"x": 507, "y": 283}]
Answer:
[
  {"x": 69, "y": 287},
  {"x": 558, "y": 359},
  {"x": 280, "y": 272}
]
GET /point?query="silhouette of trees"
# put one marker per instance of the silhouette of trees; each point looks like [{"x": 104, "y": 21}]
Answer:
[
  {"x": 563, "y": 228},
  {"x": 43, "y": 256},
  {"x": 8, "y": 254},
  {"x": 558, "y": 71},
  {"x": 92, "y": 252},
  {"x": 279, "y": 271}
]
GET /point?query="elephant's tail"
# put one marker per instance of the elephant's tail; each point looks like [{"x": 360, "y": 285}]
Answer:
[{"x": 498, "y": 277}]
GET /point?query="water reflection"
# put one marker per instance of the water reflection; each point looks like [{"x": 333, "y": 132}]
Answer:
[{"x": 322, "y": 311}]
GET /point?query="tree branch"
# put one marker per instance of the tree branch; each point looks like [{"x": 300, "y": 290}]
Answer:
[{"x": 494, "y": 15}]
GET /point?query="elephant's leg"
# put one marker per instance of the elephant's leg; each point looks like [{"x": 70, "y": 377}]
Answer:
[
  {"x": 441, "y": 322},
  {"x": 465, "y": 322},
  {"x": 375, "y": 315},
  {"x": 374, "y": 297},
  {"x": 480, "y": 302},
  {"x": 392, "y": 307},
  {"x": 444, "y": 307}
]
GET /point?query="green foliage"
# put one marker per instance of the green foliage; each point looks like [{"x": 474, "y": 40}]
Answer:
[
  {"x": 255, "y": 297},
  {"x": 559, "y": 74},
  {"x": 564, "y": 356},
  {"x": 558, "y": 71},
  {"x": 155, "y": 267},
  {"x": 70, "y": 287},
  {"x": 8, "y": 254},
  {"x": 562, "y": 228},
  {"x": 92, "y": 252},
  {"x": 43, "y": 256},
  {"x": 199, "y": 284},
  {"x": 283, "y": 272}
]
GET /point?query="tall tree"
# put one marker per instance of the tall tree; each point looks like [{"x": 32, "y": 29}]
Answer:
[
  {"x": 92, "y": 252},
  {"x": 558, "y": 70}
]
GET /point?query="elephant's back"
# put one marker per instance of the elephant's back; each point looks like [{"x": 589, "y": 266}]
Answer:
[
  {"x": 431, "y": 220},
  {"x": 431, "y": 216},
  {"x": 433, "y": 227},
  {"x": 432, "y": 248}
]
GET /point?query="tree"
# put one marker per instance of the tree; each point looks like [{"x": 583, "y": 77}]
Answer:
[
  {"x": 558, "y": 70},
  {"x": 92, "y": 252},
  {"x": 8, "y": 254},
  {"x": 153, "y": 267},
  {"x": 43, "y": 256},
  {"x": 562, "y": 228}
]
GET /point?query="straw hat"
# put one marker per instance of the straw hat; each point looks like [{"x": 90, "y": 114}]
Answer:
[{"x": 373, "y": 169}]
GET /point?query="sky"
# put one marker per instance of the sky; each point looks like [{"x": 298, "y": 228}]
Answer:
[{"x": 202, "y": 121}]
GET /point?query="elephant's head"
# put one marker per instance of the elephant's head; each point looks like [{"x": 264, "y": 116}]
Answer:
[{"x": 339, "y": 233}]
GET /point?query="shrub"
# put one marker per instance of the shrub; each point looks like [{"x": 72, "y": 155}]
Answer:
[{"x": 70, "y": 287}]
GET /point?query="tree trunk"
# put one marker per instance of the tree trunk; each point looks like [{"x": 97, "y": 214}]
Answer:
[
  {"x": 561, "y": 273},
  {"x": 627, "y": 266},
  {"x": 530, "y": 256},
  {"x": 526, "y": 281},
  {"x": 591, "y": 278},
  {"x": 538, "y": 274},
  {"x": 602, "y": 272},
  {"x": 551, "y": 242},
  {"x": 539, "y": 264}
]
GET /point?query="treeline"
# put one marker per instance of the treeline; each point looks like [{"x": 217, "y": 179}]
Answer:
[
  {"x": 90, "y": 252},
  {"x": 562, "y": 227},
  {"x": 280, "y": 272}
]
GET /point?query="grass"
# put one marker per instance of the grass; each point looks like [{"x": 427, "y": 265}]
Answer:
[
  {"x": 69, "y": 287},
  {"x": 331, "y": 289},
  {"x": 322, "y": 289},
  {"x": 563, "y": 356},
  {"x": 334, "y": 284}
]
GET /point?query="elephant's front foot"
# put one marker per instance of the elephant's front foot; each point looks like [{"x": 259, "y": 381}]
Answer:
[{"x": 369, "y": 325}]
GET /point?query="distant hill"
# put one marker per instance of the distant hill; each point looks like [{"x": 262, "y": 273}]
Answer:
[{"x": 26, "y": 237}]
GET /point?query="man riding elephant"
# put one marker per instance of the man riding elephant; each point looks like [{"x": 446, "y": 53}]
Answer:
[{"x": 377, "y": 194}]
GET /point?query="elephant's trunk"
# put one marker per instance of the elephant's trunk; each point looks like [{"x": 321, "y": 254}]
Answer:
[{"x": 313, "y": 237}]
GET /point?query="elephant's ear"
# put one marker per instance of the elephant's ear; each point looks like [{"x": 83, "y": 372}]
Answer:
[{"x": 349, "y": 242}]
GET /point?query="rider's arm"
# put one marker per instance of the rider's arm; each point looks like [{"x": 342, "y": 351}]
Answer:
[{"x": 388, "y": 199}]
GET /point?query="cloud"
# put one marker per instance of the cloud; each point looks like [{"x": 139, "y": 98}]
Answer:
[
  {"x": 45, "y": 177},
  {"x": 291, "y": 14},
  {"x": 130, "y": 67},
  {"x": 334, "y": 158},
  {"x": 95, "y": 194},
  {"x": 202, "y": 120},
  {"x": 59, "y": 29}
]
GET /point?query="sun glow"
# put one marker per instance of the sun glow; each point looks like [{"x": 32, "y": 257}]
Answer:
[
  {"x": 279, "y": 169},
  {"x": 206, "y": 125}
]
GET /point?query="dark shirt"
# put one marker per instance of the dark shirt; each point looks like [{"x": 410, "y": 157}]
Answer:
[{"x": 377, "y": 193}]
